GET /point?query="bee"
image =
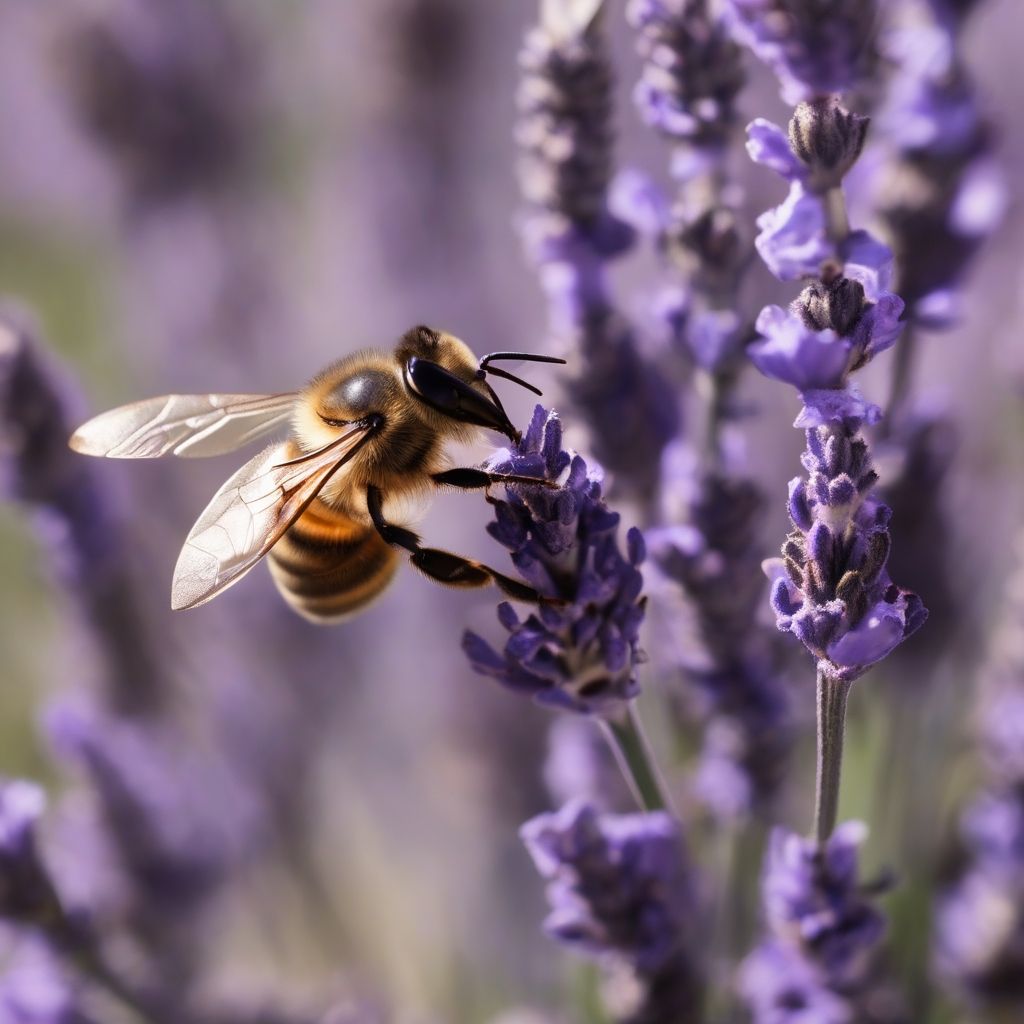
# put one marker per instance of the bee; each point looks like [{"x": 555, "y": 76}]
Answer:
[{"x": 367, "y": 441}]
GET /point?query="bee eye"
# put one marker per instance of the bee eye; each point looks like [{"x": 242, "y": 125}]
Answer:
[{"x": 356, "y": 397}]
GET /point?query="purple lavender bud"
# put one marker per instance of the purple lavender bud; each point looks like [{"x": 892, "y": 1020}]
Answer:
[
  {"x": 851, "y": 615},
  {"x": 26, "y": 891},
  {"x": 620, "y": 888},
  {"x": 830, "y": 331},
  {"x": 580, "y": 655},
  {"x": 815, "y": 48},
  {"x": 827, "y": 139},
  {"x": 692, "y": 71},
  {"x": 793, "y": 240}
]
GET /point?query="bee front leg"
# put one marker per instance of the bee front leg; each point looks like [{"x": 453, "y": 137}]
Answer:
[
  {"x": 444, "y": 566},
  {"x": 472, "y": 479}
]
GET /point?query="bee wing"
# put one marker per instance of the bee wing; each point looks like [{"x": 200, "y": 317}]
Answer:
[
  {"x": 251, "y": 512},
  {"x": 565, "y": 19},
  {"x": 187, "y": 425}
]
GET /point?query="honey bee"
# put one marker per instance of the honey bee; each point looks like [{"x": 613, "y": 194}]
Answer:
[{"x": 367, "y": 437}]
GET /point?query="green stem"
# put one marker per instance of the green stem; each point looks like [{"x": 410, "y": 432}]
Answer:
[
  {"x": 832, "y": 697},
  {"x": 625, "y": 735}
]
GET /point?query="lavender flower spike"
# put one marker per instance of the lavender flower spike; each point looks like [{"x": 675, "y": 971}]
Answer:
[
  {"x": 581, "y": 655},
  {"x": 565, "y": 136},
  {"x": 814, "y": 965},
  {"x": 831, "y": 589},
  {"x": 979, "y": 933},
  {"x": 814, "y": 49},
  {"x": 620, "y": 890}
]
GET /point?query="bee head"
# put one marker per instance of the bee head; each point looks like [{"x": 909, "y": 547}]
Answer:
[{"x": 440, "y": 372}]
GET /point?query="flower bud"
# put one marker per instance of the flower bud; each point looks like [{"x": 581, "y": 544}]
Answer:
[
  {"x": 835, "y": 306},
  {"x": 828, "y": 139}
]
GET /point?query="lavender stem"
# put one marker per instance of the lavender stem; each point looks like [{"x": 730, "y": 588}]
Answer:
[
  {"x": 832, "y": 697},
  {"x": 902, "y": 370},
  {"x": 837, "y": 224},
  {"x": 626, "y": 736}
]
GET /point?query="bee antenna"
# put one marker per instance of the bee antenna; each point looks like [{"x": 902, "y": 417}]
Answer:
[
  {"x": 494, "y": 371},
  {"x": 528, "y": 357}
]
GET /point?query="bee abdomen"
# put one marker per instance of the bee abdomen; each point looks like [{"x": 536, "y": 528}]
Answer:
[{"x": 328, "y": 567}]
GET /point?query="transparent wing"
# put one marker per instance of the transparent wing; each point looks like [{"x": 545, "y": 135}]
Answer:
[
  {"x": 566, "y": 19},
  {"x": 251, "y": 512},
  {"x": 187, "y": 425}
]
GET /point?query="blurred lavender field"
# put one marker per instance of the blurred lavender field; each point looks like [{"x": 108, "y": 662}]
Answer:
[{"x": 249, "y": 818}]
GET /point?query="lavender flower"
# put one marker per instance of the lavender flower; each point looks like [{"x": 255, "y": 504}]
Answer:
[
  {"x": 727, "y": 656},
  {"x": 798, "y": 238},
  {"x": 149, "y": 82},
  {"x": 822, "y": 932},
  {"x": 979, "y": 929},
  {"x": 565, "y": 136},
  {"x": 580, "y": 655},
  {"x": 79, "y": 526},
  {"x": 36, "y": 989},
  {"x": 171, "y": 851},
  {"x": 940, "y": 193},
  {"x": 831, "y": 588},
  {"x": 781, "y": 987},
  {"x": 620, "y": 890},
  {"x": 26, "y": 890},
  {"x": 830, "y": 331},
  {"x": 691, "y": 76},
  {"x": 815, "y": 48}
]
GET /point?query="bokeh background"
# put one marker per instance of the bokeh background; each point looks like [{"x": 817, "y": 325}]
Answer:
[{"x": 200, "y": 196}]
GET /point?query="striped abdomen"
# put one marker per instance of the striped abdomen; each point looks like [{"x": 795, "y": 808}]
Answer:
[{"x": 328, "y": 566}]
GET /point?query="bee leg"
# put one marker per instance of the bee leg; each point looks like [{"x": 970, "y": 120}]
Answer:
[
  {"x": 472, "y": 479},
  {"x": 444, "y": 566}
]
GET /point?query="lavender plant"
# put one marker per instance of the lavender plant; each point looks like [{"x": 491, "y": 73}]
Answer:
[
  {"x": 578, "y": 652},
  {"x": 830, "y": 589},
  {"x": 620, "y": 890},
  {"x": 132, "y": 897},
  {"x": 941, "y": 193},
  {"x": 565, "y": 136},
  {"x": 979, "y": 928},
  {"x": 815, "y": 964},
  {"x": 691, "y": 75}
]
